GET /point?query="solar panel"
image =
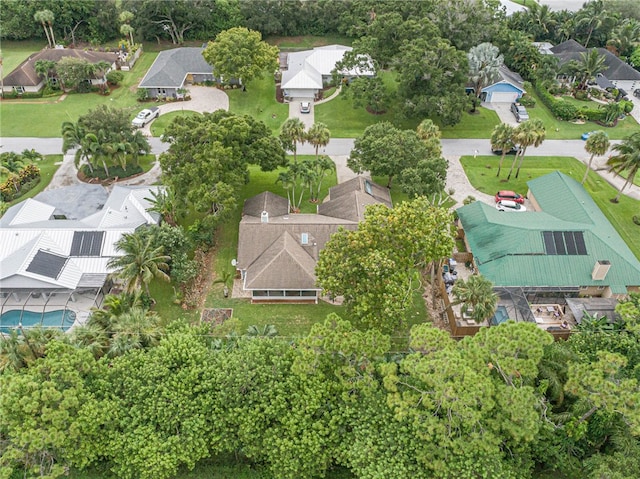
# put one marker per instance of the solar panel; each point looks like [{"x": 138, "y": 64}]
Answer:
[
  {"x": 47, "y": 264},
  {"x": 558, "y": 239},
  {"x": 579, "y": 237},
  {"x": 549, "y": 245},
  {"x": 87, "y": 243},
  {"x": 570, "y": 241}
]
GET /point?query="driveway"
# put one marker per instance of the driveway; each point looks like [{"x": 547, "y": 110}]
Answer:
[
  {"x": 504, "y": 112},
  {"x": 203, "y": 99},
  {"x": 294, "y": 112}
]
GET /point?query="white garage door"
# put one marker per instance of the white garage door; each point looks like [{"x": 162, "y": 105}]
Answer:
[{"x": 500, "y": 97}]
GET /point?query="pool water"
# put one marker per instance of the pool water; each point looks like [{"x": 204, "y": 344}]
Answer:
[
  {"x": 500, "y": 316},
  {"x": 61, "y": 318}
]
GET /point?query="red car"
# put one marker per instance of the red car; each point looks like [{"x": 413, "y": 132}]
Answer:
[{"x": 509, "y": 195}]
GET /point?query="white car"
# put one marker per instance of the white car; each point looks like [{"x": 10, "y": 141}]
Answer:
[
  {"x": 145, "y": 116},
  {"x": 508, "y": 205},
  {"x": 305, "y": 107}
]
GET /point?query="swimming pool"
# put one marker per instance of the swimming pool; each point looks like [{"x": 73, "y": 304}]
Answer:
[
  {"x": 61, "y": 318},
  {"x": 500, "y": 316}
]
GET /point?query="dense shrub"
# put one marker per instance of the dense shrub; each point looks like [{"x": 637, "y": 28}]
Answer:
[
  {"x": 581, "y": 95},
  {"x": 114, "y": 172},
  {"x": 561, "y": 109},
  {"x": 527, "y": 101},
  {"x": 591, "y": 114},
  {"x": 142, "y": 94},
  {"x": 10, "y": 94},
  {"x": 626, "y": 105},
  {"x": 32, "y": 94},
  {"x": 115, "y": 77},
  {"x": 17, "y": 185}
]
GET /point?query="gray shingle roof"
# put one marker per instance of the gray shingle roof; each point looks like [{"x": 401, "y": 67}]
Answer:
[
  {"x": 616, "y": 68},
  {"x": 172, "y": 66},
  {"x": 273, "y": 204}
]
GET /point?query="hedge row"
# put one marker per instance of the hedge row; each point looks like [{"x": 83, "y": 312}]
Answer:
[
  {"x": 17, "y": 185},
  {"x": 565, "y": 110},
  {"x": 114, "y": 171}
]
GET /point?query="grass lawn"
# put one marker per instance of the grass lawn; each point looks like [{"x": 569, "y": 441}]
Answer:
[
  {"x": 565, "y": 130},
  {"x": 158, "y": 125},
  {"x": 481, "y": 172},
  {"x": 14, "y": 53},
  {"x": 259, "y": 101},
  {"x": 47, "y": 168},
  {"x": 307, "y": 42},
  {"x": 473, "y": 125},
  {"x": 43, "y": 117}
]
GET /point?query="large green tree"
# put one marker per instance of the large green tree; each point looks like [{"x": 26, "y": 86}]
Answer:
[
  {"x": 207, "y": 175},
  {"x": 240, "y": 53},
  {"x": 374, "y": 268},
  {"x": 385, "y": 150},
  {"x": 431, "y": 78}
]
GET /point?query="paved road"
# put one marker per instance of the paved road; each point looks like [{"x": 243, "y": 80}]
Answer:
[{"x": 339, "y": 149}]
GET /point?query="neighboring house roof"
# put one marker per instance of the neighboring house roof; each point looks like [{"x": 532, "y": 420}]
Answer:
[
  {"x": 280, "y": 250},
  {"x": 171, "y": 67},
  {"x": 305, "y": 69},
  {"x": 616, "y": 70},
  {"x": 25, "y": 74},
  {"x": 520, "y": 249},
  {"x": 39, "y": 251},
  {"x": 508, "y": 77}
]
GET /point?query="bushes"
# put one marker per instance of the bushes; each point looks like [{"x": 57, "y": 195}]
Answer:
[
  {"x": 114, "y": 172},
  {"x": 30, "y": 94},
  {"x": 17, "y": 185},
  {"x": 527, "y": 101},
  {"x": 142, "y": 94},
  {"x": 115, "y": 77}
]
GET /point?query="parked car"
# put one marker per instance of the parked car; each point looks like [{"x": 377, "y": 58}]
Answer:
[
  {"x": 636, "y": 93},
  {"x": 508, "y": 205},
  {"x": 512, "y": 151},
  {"x": 305, "y": 107},
  {"x": 510, "y": 196},
  {"x": 519, "y": 112},
  {"x": 145, "y": 116},
  {"x": 585, "y": 136}
]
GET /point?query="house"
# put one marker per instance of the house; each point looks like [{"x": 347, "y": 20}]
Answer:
[
  {"x": 507, "y": 89},
  {"x": 305, "y": 73},
  {"x": 278, "y": 251},
  {"x": 24, "y": 78},
  {"x": 174, "y": 69},
  {"x": 55, "y": 247},
  {"x": 618, "y": 73},
  {"x": 562, "y": 247}
]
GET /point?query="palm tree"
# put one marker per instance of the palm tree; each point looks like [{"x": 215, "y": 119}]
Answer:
[
  {"x": 625, "y": 36},
  {"x": 91, "y": 337},
  {"x": 322, "y": 166},
  {"x": 528, "y": 133},
  {"x": 592, "y": 16},
  {"x": 126, "y": 29},
  {"x": 597, "y": 144},
  {"x": 137, "y": 328},
  {"x": 553, "y": 370},
  {"x": 226, "y": 279},
  {"x": 140, "y": 262},
  {"x": 590, "y": 64},
  {"x": 627, "y": 160},
  {"x": 484, "y": 62},
  {"x": 13, "y": 351},
  {"x": 542, "y": 17},
  {"x": 318, "y": 135},
  {"x": 430, "y": 134},
  {"x": 11, "y": 162},
  {"x": 288, "y": 184},
  {"x": 32, "y": 155},
  {"x": 476, "y": 297},
  {"x": 292, "y": 133},
  {"x": 43, "y": 68},
  {"x": 266, "y": 331},
  {"x": 139, "y": 144},
  {"x": 46, "y": 17},
  {"x": 164, "y": 202},
  {"x": 502, "y": 139}
]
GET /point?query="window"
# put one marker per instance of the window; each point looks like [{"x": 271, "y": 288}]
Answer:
[
  {"x": 304, "y": 238},
  {"x": 368, "y": 188}
]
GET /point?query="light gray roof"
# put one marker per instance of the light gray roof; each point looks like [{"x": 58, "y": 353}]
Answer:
[
  {"x": 28, "y": 230},
  {"x": 171, "y": 67}
]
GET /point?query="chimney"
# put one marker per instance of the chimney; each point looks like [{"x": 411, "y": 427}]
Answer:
[
  {"x": 600, "y": 270},
  {"x": 264, "y": 217}
]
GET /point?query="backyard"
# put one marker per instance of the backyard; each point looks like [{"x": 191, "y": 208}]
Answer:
[{"x": 481, "y": 172}]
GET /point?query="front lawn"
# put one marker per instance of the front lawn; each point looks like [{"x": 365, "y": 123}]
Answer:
[
  {"x": 259, "y": 101},
  {"x": 43, "y": 117},
  {"x": 566, "y": 130},
  {"x": 473, "y": 125},
  {"x": 308, "y": 42},
  {"x": 481, "y": 172}
]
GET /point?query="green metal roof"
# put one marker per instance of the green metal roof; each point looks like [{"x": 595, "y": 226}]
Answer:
[{"x": 509, "y": 248}]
